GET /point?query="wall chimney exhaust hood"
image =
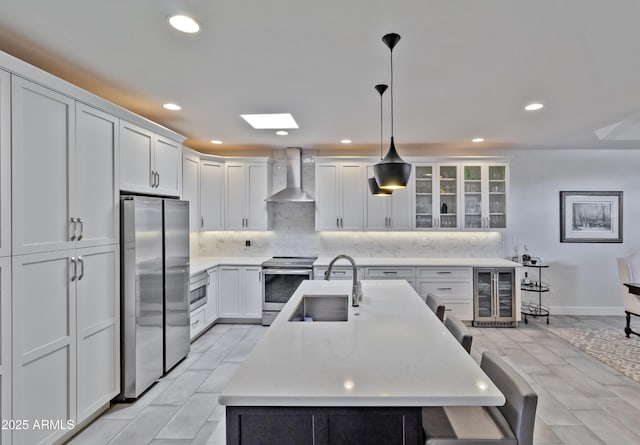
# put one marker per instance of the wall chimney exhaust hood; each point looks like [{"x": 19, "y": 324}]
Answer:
[{"x": 293, "y": 191}]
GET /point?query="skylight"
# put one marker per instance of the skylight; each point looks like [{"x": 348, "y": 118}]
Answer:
[{"x": 270, "y": 121}]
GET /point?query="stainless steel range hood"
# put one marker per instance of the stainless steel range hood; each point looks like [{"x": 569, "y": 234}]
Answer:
[{"x": 293, "y": 192}]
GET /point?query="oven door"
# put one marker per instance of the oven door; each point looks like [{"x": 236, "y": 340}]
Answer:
[{"x": 278, "y": 285}]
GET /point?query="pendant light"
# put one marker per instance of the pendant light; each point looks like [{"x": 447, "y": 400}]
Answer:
[
  {"x": 373, "y": 185},
  {"x": 392, "y": 172}
]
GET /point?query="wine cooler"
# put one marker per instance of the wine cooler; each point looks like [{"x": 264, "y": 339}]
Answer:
[{"x": 494, "y": 293}]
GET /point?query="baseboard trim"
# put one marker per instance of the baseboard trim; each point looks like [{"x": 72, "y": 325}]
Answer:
[{"x": 586, "y": 310}]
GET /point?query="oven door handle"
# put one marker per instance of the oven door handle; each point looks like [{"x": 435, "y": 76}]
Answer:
[{"x": 287, "y": 271}]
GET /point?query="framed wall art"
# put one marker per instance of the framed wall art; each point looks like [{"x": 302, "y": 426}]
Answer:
[{"x": 590, "y": 217}]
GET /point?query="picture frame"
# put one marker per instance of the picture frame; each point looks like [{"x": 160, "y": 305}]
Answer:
[{"x": 590, "y": 217}]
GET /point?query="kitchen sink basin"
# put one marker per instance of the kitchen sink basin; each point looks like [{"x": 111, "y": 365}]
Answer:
[{"x": 322, "y": 308}]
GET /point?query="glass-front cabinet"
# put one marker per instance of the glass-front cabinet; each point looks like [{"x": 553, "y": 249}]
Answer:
[
  {"x": 494, "y": 294},
  {"x": 436, "y": 196},
  {"x": 484, "y": 196}
]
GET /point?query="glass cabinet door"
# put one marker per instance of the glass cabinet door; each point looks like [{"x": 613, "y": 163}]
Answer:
[
  {"x": 506, "y": 291},
  {"x": 424, "y": 196},
  {"x": 448, "y": 196},
  {"x": 484, "y": 294},
  {"x": 497, "y": 176},
  {"x": 472, "y": 192}
]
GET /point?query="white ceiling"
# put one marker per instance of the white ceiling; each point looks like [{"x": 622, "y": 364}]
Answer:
[{"x": 463, "y": 69}]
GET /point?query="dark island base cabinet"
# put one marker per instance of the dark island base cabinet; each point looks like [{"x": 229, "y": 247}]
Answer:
[{"x": 249, "y": 425}]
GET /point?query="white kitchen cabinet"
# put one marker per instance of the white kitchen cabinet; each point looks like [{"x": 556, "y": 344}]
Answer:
[
  {"x": 391, "y": 212},
  {"x": 5, "y": 164},
  {"x": 149, "y": 163},
  {"x": 197, "y": 320},
  {"x": 211, "y": 308},
  {"x": 437, "y": 196},
  {"x": 452, "y": 285},
  {"x": 247, "y": 185},
  {"x": 44, "y": 342},
  {"x": 98, "y": 328},
  {"x": 65, "y": 344},
  {"x": 5, "y": 346},
  {"x": 485, "y": 191},
  {"x": 190, "y": 189},
  {"x": 211, "y": 195},
  {"x": 95, "y": 187},
  {"x": 240, "y": 292},
  {"x": 340, "y": 188},
  {"x": 340, "y": 272},
  {"x": 64, "y": 196},
  {"x": 391, "y": 273},
  {"x": 43, "y": 150}
]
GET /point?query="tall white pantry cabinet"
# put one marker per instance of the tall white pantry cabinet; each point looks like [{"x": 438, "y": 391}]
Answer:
[{"x": 65, "y": 263}]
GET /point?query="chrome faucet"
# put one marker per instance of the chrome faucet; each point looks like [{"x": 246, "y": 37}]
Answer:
[{"x": 355, "y": 291}]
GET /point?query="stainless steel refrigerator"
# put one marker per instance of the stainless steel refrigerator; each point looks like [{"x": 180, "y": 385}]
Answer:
[{"x": 154, "y": 289}]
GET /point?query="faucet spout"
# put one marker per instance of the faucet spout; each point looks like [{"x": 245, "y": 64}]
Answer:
[{"x": 355, "y": 294}]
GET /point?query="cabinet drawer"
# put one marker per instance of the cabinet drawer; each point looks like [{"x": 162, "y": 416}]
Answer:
[
  {"x": 337, "y": 273},
  {"x": 404, "y": 273},
  {"x": 462, "y": 311},
  {"x": 197, "y": 321},
  {"x": 446, "y": 273},
  {"x": 446, "y": 289}
]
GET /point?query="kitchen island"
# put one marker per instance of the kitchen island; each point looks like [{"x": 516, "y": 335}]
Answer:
[{"x": 361, "y": 380}]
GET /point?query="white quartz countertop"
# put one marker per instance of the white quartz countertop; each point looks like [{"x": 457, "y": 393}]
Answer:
[
  {"x": 392, "y": 351},
  {"x": 200, "y": 264},
  {"x": 417, "y": 262}
]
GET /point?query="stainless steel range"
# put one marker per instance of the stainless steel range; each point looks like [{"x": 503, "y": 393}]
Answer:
[{"x": 281, "y": 276}]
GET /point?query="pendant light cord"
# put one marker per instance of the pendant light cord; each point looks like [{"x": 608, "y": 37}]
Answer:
[
  {"x": 391, "y": 93},
  {"x": 381, "y": 125}
]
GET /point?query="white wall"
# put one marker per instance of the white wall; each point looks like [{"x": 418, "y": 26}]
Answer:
[{"x": 583, "y": 276}]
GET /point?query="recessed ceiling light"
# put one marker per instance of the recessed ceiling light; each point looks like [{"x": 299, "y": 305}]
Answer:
[
  {"x": 172, "y": 107},
  {"x": 477, "y": 140},
  {"x": 217, "y": 142},
  {"x": 270, "y": 121},
  {"x": 345, "y": 141},
  {"x": 184, "y": 23},
  {"x": 282, "y": 133},
  {"x": 534, "y": 106}
]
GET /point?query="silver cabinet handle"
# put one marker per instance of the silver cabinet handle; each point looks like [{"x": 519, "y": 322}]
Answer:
[
  {"x": 338, "y": 222},
  {"x": 81, "y": 261},
  {"x": 443, "y": 272},
  {"x": 390, "y": 272},
  {"x": 195, "y": 323},
  {"x": 341, "y": 225},
  {"x": 444, "y": 288},
  {"x": 81, "y": 222},
  {"x": 389, "y": 224},
  {"x": 338, "y": 272},
  {"x": 158, "y": 180},
  {"x": 153, "y": 179},
  {"x": 201, "y": 221},
  {"x": 75, "y": 268},
  {"x": 73, "y": 228}
]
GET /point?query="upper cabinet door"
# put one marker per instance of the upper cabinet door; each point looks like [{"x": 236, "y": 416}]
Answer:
[
  {"x": 136, "y": 157},
  {"x": 424, "y": 181},
  {"x": 95, "y": 186},
  {"x": 234, "y": 196},
  {"x": 43, "y": 148},
  {"x": 211, "y": 195},
  {"x": 399, "y": 208},
  {"x": 257, "y": 183},
  {"x": 190, "y": 177},
  {"x": 327, "y": 197},
  {"x": 485, "y": 189},
  {"x": 352, "y": 196},
  {"x": 377, "y": 212},
  {"x": 167, "y": 165},
  {"x": 5, "y": 164},
  {"x": 448, "y": 196}
]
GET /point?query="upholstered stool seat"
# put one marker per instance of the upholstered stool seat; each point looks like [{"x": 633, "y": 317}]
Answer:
[
  {"x": 510, "y": 424},
  {"x": 436, "y": 305},
  {"x": 459, "y": 331}
]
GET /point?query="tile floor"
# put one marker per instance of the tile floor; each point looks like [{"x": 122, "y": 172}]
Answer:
[{"x": 581, "y": 401}]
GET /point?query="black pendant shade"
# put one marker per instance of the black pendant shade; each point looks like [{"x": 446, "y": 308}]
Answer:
[
  {"x": 373, "y": 184},
  {"x": 392, "y": 172}
]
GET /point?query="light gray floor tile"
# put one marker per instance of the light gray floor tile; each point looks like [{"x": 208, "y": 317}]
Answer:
[
  {"x": 182, "y": 366},
  {"x": 576, "y": 435},
  {"x": 219, "y": 377},
  {"x": 131, "y": 410},
  {"x": 190, "y": 418},
  {"x": 144, "y": 428},
  {"x": 621, "y": 410},
  {"x": 606, "y": 427},
  {"x": 597, "y": 370},
  {"x": 629, "y": 392},
  {"x": 181, "y": 388},
  {"x": 241, "y": 351},
  {"x": 99, "y": 432},
  {"x": 542, "y": 434},
  {"x": 170, "y": 442},
  {"x": 205, "y": 433}
]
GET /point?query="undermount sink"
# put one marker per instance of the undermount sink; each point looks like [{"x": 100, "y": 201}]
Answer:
[{"x": 322, "y": 308}]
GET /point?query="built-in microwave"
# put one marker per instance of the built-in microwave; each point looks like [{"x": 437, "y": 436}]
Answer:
[{"x": 198, "y": 290}]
